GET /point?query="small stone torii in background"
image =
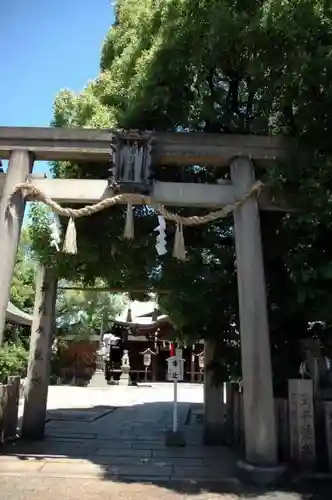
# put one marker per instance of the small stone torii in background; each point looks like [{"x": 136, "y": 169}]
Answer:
[{"x": 24, "y": 145}]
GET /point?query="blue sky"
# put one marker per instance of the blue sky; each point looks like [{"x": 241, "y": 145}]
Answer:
[{"x": 45, "y": 46}]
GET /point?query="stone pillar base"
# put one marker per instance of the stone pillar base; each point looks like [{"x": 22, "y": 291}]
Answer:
[
  {"x": 260, "y": 475},
  {"x": 175, "y": 439},
  {"x": 124, "y": 379}
]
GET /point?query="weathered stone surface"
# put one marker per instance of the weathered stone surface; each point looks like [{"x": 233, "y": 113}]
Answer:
[
  {"x": 328, "y": 431},
  {"x": 103, "y": 448},
  {"x": 214, "y": 408},
  {"x": 301, "y": 421},
  {"x": 262, "y": 476},
  {"x": 175, "y": 439},
  {"x": 192, "y": 472},
  {"x": 148, "y": 445},
  {"x": 123, "y": 452},
  {"x": 193, "y": 452}
]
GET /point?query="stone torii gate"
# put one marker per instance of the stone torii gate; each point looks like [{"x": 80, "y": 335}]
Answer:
[{"x": 24, "y": 145}]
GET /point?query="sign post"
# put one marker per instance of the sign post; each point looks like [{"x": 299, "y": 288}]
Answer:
[
  {"x": 175, "y": 407},
  {"x": 175, "y": 374}
]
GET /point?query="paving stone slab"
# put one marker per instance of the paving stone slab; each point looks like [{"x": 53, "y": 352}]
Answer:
[
  {"x": 179, "y": 462},
  {"x": 118, "y": 461},
  {"x": 194, "y": 452},
  {"x": 63, "y": 433},
  {"x": 121, "y": 452},
  {"x": 109, "y": 444},
  {"x": 75, "y": 415},
  {"x": 66, "y": 439},
  {"x": 148, "y": 445},
  {"x": 151, "y": 461},
  {"x": 197, "y": 473},
  {"x": 146, "y": 471},
  {"x": 70, "y": 428},
  {"x": 147, "y": 436},
  {"x": 40, "y": 448},
  {"x": 110, "y": 435}
]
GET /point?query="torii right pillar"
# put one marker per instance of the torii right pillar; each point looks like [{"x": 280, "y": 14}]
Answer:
[{"x": 259, "y": 417}]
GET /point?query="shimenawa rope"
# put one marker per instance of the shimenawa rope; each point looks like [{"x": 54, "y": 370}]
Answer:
[{"x": 32, "y": 193}]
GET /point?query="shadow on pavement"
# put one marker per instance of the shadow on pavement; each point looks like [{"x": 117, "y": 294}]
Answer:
[{"x": 127, "y": 445}]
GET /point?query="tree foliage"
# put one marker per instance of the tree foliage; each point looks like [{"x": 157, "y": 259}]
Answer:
[
  {"x": 13, "y": 361},
  {"x": 230, "y": 66},
  {"x": 78, "y": 312},
  {"x": 22, "y": 291},
  {"x": 86, "y": 313}
]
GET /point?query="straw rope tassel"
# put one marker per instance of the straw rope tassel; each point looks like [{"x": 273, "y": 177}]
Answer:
[
  {"x": 33, "y": 193},
  {"x": 129, "y": 227},
  {"x": 179, "y": 251},
  {"x": 70, "y": 243}
]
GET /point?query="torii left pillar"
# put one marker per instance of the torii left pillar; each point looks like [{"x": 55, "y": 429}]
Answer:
[
  {"x": 20, "y": 166},
  {"x": 36, "y": 390}
]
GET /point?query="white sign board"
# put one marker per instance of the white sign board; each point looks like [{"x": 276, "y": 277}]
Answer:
[
  {"x": 147, "y": 359},
  {"x": 201, "y": 361},
  {"x": 175, "y": 369}
]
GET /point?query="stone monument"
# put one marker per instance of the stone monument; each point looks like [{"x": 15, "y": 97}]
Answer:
[
  {"x": 125, "y": 369},
  {"x": 301, "y": 421},
  {"x": 328, "y": 431}
]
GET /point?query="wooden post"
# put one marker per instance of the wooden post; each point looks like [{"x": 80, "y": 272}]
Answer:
[
  {"x": 213, "y": 402},
  {"x": 20, "y": 166},
  {"x": 33, "y": 426},
  {"x": 259, "y": 418}
]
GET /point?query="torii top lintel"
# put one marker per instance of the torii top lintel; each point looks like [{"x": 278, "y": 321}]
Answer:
[{"x": 179, "y": 148}]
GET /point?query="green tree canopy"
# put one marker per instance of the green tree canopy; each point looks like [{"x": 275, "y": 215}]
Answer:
[
  {"x": 22, "y": 291},
  {"x": 84, "y": 313},
  {"x": 259, "y": 67}
]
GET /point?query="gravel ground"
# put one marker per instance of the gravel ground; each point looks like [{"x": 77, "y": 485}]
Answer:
[{"x": 33, "y": 488}]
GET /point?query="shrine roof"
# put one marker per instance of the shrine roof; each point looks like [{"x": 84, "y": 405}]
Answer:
[{"x": 142, "y": 314}]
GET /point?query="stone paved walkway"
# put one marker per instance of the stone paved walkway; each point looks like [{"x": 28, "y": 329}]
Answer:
[
  {"x": 119, "y": 433},
  {"x": 109, "y": 443}
]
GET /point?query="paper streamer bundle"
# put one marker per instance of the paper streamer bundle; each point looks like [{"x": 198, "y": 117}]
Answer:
[
  {"x": 129, "y": 227},
  {"x": 179, "y": 251},
  {"x": 32, "y": 193}
]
